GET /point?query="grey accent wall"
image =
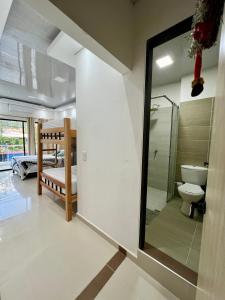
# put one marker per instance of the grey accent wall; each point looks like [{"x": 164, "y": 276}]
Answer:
[
  {"x": 195, "y": 123},
  {"x": 160, "y": 127}
]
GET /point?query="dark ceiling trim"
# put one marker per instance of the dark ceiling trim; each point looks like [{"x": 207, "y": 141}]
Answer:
[
  {"x": 41, "y": 105},
  {"x": 26, "y": 102}
]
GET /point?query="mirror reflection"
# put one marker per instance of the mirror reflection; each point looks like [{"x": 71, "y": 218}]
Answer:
[{"x": 179, "y": 146}]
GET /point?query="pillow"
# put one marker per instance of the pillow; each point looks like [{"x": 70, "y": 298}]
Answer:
[{"x": 60, "y": 153}]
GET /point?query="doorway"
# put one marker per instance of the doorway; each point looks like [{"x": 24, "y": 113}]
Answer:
[{"x": 176, "y": 146}]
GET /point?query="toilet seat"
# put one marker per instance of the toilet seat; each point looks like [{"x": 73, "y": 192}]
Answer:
[{"x": 191, "y": 189}]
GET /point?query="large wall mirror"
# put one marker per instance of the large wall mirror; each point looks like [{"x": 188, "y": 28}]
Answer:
[{"x": 176, "y": 146}]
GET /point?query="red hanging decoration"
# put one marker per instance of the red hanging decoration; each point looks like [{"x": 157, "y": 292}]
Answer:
[
  {"x": 206, "y": 22},
  {"x": 198, "y": 82}
]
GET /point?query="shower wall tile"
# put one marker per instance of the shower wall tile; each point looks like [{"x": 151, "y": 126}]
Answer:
[
  {"x": 158, "y": 172},
  {"x": 195, "y": 123},
  {"x": 160, "y": 125}
]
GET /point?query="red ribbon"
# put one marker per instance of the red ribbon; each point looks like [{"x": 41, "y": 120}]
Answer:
[{"x": 198, "y": 65}]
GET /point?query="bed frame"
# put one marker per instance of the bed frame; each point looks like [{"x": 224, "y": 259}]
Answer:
[{"x": 65, "y": 137}]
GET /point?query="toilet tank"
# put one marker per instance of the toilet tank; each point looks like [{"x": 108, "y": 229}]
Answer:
[{"x": 194, "y": 174}]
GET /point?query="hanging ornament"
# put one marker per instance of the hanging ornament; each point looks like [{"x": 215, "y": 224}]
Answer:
[{"x": 205, "y": 28}]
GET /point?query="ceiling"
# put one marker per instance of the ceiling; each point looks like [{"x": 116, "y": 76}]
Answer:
[
  {"x": 178, "y": 50},
  {"x": 26, "y": 72}
]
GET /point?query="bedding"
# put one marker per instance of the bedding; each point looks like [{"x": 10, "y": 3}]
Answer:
[
  {"x": 24, "y": 165},
  {"x": 59, "y": 174}
]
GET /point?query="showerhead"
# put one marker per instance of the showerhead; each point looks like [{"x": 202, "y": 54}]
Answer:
[{"x": 155, "y": 107}]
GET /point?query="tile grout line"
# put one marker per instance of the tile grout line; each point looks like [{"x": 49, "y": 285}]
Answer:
[
  {"x": 103, "y": 276},
  {"x": 108, "y": 267},
  {"x": 192, "y": 240}
]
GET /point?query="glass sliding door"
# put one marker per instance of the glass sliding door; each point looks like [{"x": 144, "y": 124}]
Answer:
[{"x": 13, "y": 141}]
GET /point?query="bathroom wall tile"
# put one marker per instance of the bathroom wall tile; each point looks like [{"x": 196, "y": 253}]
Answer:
[
  {"x": 194, "y": 132},
  {"x": 192, "y": 114},
  {"x": 196, "y": 146},
  {"x": 191, "y": 158}
]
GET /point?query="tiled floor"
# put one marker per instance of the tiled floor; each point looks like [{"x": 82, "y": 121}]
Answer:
[
  {"x": 176, "y": 235},
  {"x": 42, "y": 257},
  {"x": 5, "y": 165},
  {"x": 131, "y": 283}
]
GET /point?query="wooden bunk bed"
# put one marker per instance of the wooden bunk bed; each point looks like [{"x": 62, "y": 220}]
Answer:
[{"x": 61, "y": 186}]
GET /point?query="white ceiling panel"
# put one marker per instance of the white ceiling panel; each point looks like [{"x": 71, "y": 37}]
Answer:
[
  {"x": 177, "y": 49},
  {"x": 64, "y": 48},
  {"x": 26, "y": 71}
]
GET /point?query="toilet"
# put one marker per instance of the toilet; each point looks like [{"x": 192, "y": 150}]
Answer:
[{"x": 191, "y": 191}]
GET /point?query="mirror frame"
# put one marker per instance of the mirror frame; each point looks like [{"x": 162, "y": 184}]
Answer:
[{"x": 161, "y": 38}]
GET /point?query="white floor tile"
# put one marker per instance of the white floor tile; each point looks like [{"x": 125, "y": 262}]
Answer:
[
  {"x": 42, "y": 256},
  {"x": 131, "y": 282}
]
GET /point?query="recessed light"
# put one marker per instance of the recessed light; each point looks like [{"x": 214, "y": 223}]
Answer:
[
  {"x": 164, "y": 61},
  {"x": 59, "y": 79}
]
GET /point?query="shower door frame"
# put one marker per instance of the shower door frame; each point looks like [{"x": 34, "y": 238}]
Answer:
[{"x": 155, "y": 41}]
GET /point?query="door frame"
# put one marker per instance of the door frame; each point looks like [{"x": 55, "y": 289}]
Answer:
[{"x": 163, "y": 37}]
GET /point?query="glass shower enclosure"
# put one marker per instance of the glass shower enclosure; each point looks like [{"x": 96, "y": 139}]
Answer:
[{"x": 162, "y": 154}]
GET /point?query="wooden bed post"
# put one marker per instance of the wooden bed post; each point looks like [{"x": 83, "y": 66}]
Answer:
[
  {"x": 68, "y": 161},
  {"x": 40, "y": 159}
]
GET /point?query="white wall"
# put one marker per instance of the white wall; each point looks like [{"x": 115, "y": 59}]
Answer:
[
  {"x": 170, "y": 90},
  {"x": 181, "y": 91},
  {"x": 210, "y": 78},
  {"x": 67, "y": 113},
  {"x": 110, "y": 119},
  {"x": 107, "y": 181},
  {"x": 109, "y": 22},
  {"x": 108, "y": 187},
  {"x": 19, "y": 109}
]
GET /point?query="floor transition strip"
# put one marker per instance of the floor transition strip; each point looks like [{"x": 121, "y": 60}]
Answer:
[{"x": 95, "y": 286}]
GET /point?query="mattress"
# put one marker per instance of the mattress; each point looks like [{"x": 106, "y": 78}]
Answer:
[
  {"x": 24, "y": 165},
  {"x": 59, "y": 174},
  {"x": 59, "y": 123},
  {"x": 33, "y": 158}
]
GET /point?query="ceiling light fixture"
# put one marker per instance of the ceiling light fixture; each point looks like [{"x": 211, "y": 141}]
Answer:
[
  {"x": 164, "y": 61},
  {"x": 59, "y": 79}
]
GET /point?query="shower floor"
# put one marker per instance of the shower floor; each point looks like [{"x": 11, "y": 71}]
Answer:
[{"x": 156, "y": 199}]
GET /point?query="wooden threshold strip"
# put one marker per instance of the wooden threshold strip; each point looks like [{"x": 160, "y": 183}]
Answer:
[{"x": 95, "y": 286}]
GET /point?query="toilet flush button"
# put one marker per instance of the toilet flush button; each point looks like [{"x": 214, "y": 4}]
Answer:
[{"x": 84, "y": 155}]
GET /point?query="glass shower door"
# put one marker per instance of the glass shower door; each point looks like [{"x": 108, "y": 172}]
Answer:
[{"x": 161, "y": 113}]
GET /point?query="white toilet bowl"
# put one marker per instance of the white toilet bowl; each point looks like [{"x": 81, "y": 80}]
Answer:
[{"x": 190, "y": 193}]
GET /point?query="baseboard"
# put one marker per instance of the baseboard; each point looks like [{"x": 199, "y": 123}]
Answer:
[{"x": 107, "y": 238}]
